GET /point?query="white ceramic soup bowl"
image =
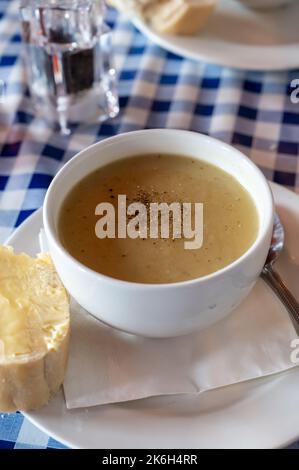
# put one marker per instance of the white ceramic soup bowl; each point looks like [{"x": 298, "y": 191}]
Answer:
[{"x": 160, "y": 310}]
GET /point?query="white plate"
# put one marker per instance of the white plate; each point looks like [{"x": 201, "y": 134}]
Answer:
[
  {"x": 244, "y": 415},
  {"x": 239, "y": 37}
]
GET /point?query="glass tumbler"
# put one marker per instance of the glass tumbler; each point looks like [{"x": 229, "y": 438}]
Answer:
[{"x": 69, "y": 62}]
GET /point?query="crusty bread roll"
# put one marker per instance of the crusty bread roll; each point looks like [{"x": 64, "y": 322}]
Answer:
[
  {"x": 34, "y": 331},
  {"x": 170, "y": 16}
]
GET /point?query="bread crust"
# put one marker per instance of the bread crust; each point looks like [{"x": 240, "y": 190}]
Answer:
[
  {"x": 34, "y": 331},
  {"x": 180, "y": 17},
  {"x": 30, "y": 385}
]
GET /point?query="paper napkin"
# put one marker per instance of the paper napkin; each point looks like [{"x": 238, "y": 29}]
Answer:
[{"x": 108, "y": 366}]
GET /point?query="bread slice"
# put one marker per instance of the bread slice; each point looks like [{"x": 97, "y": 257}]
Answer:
[
  {"x": 34, "y": 331},
  {"x": 185, "y": 17}
]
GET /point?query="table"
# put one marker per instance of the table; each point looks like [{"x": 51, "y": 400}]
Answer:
[{"x": 251, "y": 110}]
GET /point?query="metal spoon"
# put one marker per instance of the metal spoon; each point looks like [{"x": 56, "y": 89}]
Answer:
[{"x": 273, "y": 279}]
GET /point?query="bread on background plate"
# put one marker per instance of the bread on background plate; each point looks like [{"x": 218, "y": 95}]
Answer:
[{"x": 185, "y": 17}]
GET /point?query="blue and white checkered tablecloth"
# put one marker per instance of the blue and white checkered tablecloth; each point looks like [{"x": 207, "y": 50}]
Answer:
[{"x": 251, "y": 110}]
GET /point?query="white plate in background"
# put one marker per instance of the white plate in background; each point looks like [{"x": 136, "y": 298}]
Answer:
[{"x": 239, "y": 37}]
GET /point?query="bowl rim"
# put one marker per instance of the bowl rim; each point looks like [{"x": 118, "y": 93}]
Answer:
[{"x": 87, "y": 152}]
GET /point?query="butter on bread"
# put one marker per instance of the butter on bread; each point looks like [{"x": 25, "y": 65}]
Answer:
[
  {"x": 34, "y": 330},
  {"x": 170, "y": 16}
]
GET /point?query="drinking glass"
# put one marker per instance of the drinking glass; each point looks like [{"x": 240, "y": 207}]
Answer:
[{"x": 69, "y": 61}]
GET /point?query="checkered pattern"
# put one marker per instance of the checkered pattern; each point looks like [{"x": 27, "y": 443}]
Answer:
[
  {"x": 16, "y": 432},
  {"x": 251, "y": 110}
]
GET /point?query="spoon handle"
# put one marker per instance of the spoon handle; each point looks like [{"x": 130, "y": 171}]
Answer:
[{"x": 274, "y": 280}]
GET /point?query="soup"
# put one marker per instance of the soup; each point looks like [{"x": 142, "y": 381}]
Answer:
[{"x": 230, "y": 220}]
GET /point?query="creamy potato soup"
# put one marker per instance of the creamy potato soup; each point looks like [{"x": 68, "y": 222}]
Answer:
[{"x": 230, "y": 221}]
